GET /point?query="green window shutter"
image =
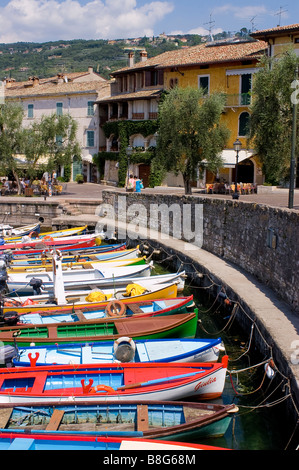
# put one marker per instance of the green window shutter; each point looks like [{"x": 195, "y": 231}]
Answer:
[
  {"x": 30, "y": 110},
  {"x": 90, "y": 108},
  {"x": 90, "y": 138},
  {"x": 59, "y": 109}
]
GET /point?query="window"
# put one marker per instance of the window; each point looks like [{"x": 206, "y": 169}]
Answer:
[
  {"x": 30, "y": 111},
  {"x": 173, "y": 82},
  {"x": 245, "y": 89},
  {"x": 204, "y": 83},
  {"x": 244, "y": 124},
  {"x": 59, "y": 140},
  {"x": 90, "y": 108},
  {"x": 90, "y": 138},
  {"x": 59, "y": 109}
]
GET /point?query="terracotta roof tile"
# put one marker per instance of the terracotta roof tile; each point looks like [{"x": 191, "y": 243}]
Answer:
[
  {"x": 202, "y": 54},
  {"x": 149, "y": 93},
  {"x": 278, "y": 29},
  {"x": 46, "y": 88}
]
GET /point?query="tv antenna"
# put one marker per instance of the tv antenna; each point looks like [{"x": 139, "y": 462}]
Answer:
[
  {"x": 280, "y": 12},
  {"x": 252, "y": 23},
  {"x": 210, "y": 23}
]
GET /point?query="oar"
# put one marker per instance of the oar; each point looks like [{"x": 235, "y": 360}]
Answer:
[{"x": 158, "y": 381}]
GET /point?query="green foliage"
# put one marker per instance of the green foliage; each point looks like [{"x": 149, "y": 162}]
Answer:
[
  {"x": 190, "y": 132},
  {"x": 271, "y": 115},
  {"x": 79, "y": 178}
]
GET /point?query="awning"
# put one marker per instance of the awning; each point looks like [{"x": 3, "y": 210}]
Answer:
[
  {"x": 87, "y": 158},
  {"x": 242, "y": 71},
  {"x": 230, "y": 157}
]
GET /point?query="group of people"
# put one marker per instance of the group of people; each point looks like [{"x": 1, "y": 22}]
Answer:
[{"x": 134, "y": 184}]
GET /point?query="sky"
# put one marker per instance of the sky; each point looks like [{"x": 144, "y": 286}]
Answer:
[{"x": 52, "y": 20}]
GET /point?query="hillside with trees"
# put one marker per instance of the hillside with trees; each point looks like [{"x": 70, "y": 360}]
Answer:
[{"x": 23, "y": 59}]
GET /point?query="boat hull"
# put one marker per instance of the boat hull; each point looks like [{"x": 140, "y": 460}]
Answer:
[
  {"x": 144, "y": 419},
  {"x": 167, "y": 350},
  {"x": 171, "y": 326},
  {"x": 78, "y": 299},
  {"x": 131, "y": 382}
]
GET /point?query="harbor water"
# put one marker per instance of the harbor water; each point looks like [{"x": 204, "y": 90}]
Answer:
[{"x": 261, "y": 422}]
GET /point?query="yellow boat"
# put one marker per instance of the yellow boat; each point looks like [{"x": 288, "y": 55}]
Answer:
[
  {"x": 78, "y": 299},
  {"x": 68, "y": 232},
  {"x": 77, "y": 265}
]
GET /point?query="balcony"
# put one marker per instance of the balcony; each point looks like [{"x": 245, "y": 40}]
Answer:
[
  {"x": 138, "y": 116},
  {"x": 240, "y": 99}
]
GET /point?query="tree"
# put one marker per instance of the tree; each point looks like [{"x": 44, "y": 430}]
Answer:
[
  {"x": 271, "y": 115},
  {"x": 190, "y": 133},
  {"x": 53, "y": 137},
  {"x": 11, "y": 138}
]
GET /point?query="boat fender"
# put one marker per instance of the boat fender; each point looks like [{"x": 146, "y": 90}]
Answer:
[
  {"x": 124, "y": 349},
  {"x": 269, "y": 369},
  {"x": 32, "y": 359},
  {"x": 101, "y": 388},
  {"x": 115, "y": 308}
]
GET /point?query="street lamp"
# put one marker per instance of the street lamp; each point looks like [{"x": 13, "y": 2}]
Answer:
[
  {"x": 129, "y": 151},
  {"x": 237, "y": 148}
]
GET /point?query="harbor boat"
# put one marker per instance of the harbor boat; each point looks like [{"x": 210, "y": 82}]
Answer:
[
  {"x": 83, "y": 257},
  {"x": 113, "y": 308},
  {"x": 179, "y": 421},
  {"x": 7, "y": 230},
  {"x": 69, "y": 250},
  {"x": 77, "y": 265},
  {"x": 126, "y": 381},
  {"x": 182, "y": 325},
  {"x": 125, "y": 349},
  {"x": 107, "y": 276},
  {"x": 39, "y": 246},
  {"x": 19, "y": 441},
  {"x": 93, "y": 299},
  {"x": 34, "y": 233}
]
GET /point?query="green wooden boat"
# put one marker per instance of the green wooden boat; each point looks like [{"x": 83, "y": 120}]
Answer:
[{"x": 182, "y": 325}]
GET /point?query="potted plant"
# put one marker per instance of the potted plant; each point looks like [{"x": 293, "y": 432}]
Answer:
[{"x": 79, "y": 179}]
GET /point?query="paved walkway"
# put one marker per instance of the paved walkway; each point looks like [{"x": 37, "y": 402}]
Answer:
[{"x": 277, "y": 198}]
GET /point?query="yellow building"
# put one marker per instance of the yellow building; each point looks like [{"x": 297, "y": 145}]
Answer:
[
  {"x": 280, "y": 39},
  {"x": 224, "y": 66}
]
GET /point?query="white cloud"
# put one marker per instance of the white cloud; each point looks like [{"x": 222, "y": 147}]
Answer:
[{"x": 44, "y": 20}]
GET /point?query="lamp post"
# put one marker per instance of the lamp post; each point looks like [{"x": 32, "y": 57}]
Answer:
[
  {"x": 293, "y": 168},
  {"x": 129, "y": 151},
  {"x": 237, "y": 148}
]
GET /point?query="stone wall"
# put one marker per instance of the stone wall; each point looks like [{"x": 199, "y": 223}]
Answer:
[
  {"x": 260, "y": 239},
  {"x": 28, "y": 211}
]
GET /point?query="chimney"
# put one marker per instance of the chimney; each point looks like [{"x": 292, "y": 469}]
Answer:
[
  {"x": 143, "y": 56},
  {"x": 90, "y": 69},
  {"x": 131, "y": 56},
  {"x": 8, "y": 82},
  {"x": 60, "y": 78},
  {"x": 35, "y": 81}
]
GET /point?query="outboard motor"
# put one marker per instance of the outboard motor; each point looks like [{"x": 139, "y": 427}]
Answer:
[
  {"x": 7, "y": 353},
  {"x": 36, "y": 285},
  {"x": 3, "y": 279},
  {"x": 10, "y": 318}
]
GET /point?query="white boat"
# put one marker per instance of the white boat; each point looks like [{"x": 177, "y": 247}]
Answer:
[
  {"x": 84, "y": 256},
  {"x": 7, "y": 230},
  {"x": 122, "y": 350},
  {"x": 18, "y": 233},
  {"x": 77, "y": 279}
]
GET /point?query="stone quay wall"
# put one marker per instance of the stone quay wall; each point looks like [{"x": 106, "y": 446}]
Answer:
[{"x": 260, "y": 239}]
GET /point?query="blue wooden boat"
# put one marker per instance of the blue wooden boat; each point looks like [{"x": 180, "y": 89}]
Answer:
[
  {"x": 183, "y": 421},
  {"x": 19, "y": 441},
  {"x": 113, "y": 308},
  {"x": 96, "y": 255},
  {"x": 123, "y": 349},
  {"x": 73, "y": 250}
]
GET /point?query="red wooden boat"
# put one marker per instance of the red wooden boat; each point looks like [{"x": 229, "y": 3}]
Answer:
[
  {"x": 38, "y": 246},
  {"x": 110, "y": 382}
]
